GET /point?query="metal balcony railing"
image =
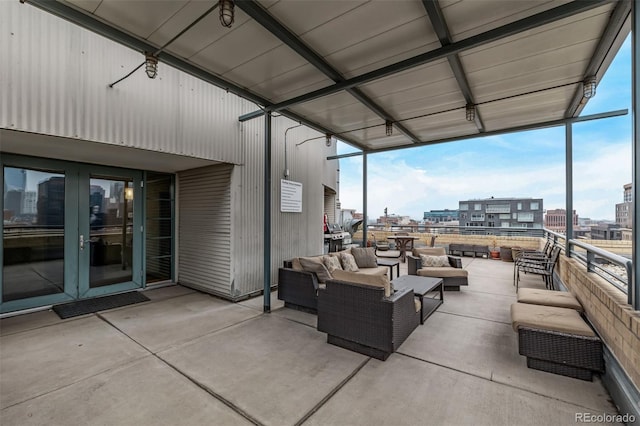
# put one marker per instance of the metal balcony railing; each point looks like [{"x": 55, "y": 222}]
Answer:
[{"x": 615, "y": 269}]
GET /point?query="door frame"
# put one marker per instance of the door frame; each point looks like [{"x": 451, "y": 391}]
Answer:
[{"x": 74, "y": 174}]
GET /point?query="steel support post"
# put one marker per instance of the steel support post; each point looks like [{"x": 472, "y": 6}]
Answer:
[
  {"x": 364, "y": 199},
  {"x": 267, "y": 212},
  {"x": 633, "y": 290},
  {"x": 568, "y": 186}
]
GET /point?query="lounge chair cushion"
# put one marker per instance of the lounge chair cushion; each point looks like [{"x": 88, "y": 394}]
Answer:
[
  {"x": 331, "y": 263},
  {"x": 417, "y": 304},
  {"x": 365, "y": 257},
  {"x": 550, "y": 318},
  {"x": 442, "y": 272},
  {"x": 366, "y": 279},
  {"x": 348, "y": 262},
  {"x": 434, "y": 261},
  {"x": 378, "y": 270},
  {"x": 429, "y": 251},
  {"x": 314, "y": 264},
  {"x": 559, "y": 299}
]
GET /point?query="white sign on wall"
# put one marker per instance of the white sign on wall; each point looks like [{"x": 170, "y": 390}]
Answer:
[{"x": 290, "y": 196}]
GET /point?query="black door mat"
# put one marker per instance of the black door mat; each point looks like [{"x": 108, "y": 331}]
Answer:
[{"x": 89, "y": 306}]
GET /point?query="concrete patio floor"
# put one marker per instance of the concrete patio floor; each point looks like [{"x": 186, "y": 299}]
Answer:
[{"x": 187, "y": 358}]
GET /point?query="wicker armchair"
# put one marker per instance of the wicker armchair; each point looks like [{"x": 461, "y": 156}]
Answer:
[
  {"x": 453, "y": 276},
  {"x": 360, "y": 318}
]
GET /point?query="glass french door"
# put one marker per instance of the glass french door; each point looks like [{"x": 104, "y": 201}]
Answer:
[{"x": 70, "y": 231}]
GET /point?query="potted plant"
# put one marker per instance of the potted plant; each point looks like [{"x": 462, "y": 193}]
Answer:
[{"x": 494, "y": 251}]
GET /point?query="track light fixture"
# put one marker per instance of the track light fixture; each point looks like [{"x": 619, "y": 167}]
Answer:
[
  {"x": 151, "y": 65},
  {"x": 470, "y": 112},
  {"x": 589, "y": 87},
  {"x": 388, "y": 127},
  {"x": 328, "y": 140},
  {"x": 227, "y": 14}
]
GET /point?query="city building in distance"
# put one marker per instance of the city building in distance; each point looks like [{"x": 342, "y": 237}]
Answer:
[
  {"x": 502, "y": 213},
  {"x": 438, "y": 216},
  {"x": 625, "y": 209}
]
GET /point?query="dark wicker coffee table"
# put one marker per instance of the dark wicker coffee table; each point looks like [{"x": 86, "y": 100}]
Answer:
[{"x": 421, "y": 287}]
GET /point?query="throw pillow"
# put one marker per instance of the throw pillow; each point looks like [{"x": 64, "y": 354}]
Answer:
[
  {"x": 314, "y": 264},
  {"x": 348, "y": 262},
  {"x": 365, "y": 257},
  {"x": 332, "y": 263},
  {"x": 434, "y": 261}
]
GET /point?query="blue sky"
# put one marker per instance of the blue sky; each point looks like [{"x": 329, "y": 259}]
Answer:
[{"x": 526, "y": 164}]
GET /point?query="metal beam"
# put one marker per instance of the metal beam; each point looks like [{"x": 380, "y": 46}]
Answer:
[
  {"x": 534, "y": 21},
  {"x": 616, "y": 24},
  {"x": 434, "y": 12},
  {"x": 261, "y": 16},
  {"x": 546, "y": 124}
]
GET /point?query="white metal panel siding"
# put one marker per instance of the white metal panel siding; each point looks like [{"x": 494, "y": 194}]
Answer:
[
  {"x": 292, "y": 234},
  {"x": 204, "y": 237},
  {"x": 56, "y": 83}
]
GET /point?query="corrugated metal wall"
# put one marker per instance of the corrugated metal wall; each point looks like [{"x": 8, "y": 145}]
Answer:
[
  {"x": 54, "y": 80},
  {"x": 205, "y": 236},
  {"x": 293, "y": 234},
  {"x": 56, "y": 83}
]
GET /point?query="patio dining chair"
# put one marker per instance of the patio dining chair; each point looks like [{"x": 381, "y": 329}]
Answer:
[{"x": 543, "y": 267}]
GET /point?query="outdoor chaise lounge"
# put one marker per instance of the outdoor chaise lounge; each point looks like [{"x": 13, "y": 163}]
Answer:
[
  {"x": 359, "y": 316},
  {"x": 557, "y": 340},
  {"x": 450, "y": 268}
]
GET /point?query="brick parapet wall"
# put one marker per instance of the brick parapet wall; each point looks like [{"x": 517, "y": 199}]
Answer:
[{"x": 607, "y": 309}]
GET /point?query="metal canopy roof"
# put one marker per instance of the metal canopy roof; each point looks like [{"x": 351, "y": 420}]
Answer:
[{"x": 347, "y": 67}]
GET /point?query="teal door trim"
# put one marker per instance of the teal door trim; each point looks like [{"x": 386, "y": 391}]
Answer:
[
  {"x": 86, "y": 173},
  {"x": 76, "y": 284}
]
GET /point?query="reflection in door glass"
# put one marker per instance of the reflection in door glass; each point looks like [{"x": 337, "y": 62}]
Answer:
[
  {"x": 111, "y": 227},
  {"x": 33, "y": 233}
]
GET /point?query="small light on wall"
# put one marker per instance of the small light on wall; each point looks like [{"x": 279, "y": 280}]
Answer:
[
  {"x": 328, "y": 141},
  {"x": 589, "y": 87},
  {"x": 151, "y": 65},
  {"x": 388, "y": 127},
  {"x": 227, "y": 14},
  {"x": 128, "y": 194},
  {"x": 470, "y": 112}
]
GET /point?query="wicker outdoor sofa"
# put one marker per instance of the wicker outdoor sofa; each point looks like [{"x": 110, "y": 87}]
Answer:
[
  {"x": 361, "y": 318},
  {"x": 298, "y": 288}
]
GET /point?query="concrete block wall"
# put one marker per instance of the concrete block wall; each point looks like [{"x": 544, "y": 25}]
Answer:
[{"x": 607, "y": 309}]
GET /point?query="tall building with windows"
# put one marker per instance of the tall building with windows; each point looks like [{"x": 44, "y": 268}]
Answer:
[
  {"x": 624, "y": 210},
  {"x": 502, "y": 213},
  {"x": 556, "y": 220}
]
